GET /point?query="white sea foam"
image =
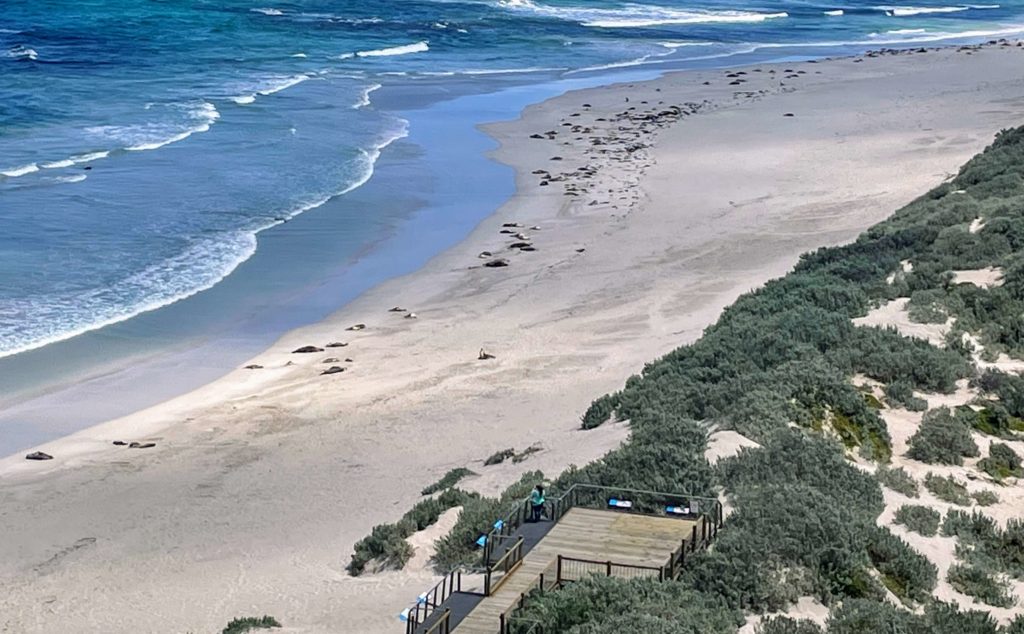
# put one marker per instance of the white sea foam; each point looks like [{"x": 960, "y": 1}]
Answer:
[
  {"x": 57, "y": 164},
  {"x": 197, "y": 117},
  {"x": 635, "y": 15},
  {"x": 90, "y": 157},
  {"x": 905, "y": 11},
  {"x": 268, "y": 11},
  {"x": 14, "y": 172},
  {"x": 834, "y": 12},
  {"x": 23, "y": 52},
  {"x": 301, "y": 55},
  {"x": 364, "y": 99},
  {"x": 685, "y": 44},
  {"x": 492, "y": 71},
  {"x": 74, "y": 178},
  {"x": 199, "y": 267},
  {"x": 418, "y": 47},
  {"x": 244, "y": 99},
  {"x": 280, "y": 83},
  {"x": 919, "y": 38}
]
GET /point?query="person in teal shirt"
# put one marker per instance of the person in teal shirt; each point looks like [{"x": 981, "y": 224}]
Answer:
[{"x": 537, "y": 502}]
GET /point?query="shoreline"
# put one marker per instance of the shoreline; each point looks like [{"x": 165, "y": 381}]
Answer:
[{"x": 565, "y": 326}]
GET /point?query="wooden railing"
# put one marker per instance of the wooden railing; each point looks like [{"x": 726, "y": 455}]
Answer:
[
  {"x": 430, "y": 601},
  {"x": 545, "y": 581},
  {"x": 573, "y": 569},
  {"x": 503, "y": 568}
]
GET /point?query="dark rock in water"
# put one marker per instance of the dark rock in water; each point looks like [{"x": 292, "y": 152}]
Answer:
[
  {"x": 38, "y": 455},
  {"x": 120, "y": 443},
  {"x": 87, "y": 167},
  {"x": 496, "y": 263},
  {"x": 789, "y": 114},
  {"x": 142, "y": 445},
  {"x": 334, "y": 369},
  {"x": 536, "y": 136},
  {"x": 511, "y": 224},
  {"x": 347, "y": 360},
  {"x": 356, "y": 327},
  {"x": 580, "y": 250},
  {"x": 519, "y": 245},
  {"x": 485, "y": 254},
  {"x": 556, "y": 158},
  {"x": 484, "y": 355},
  {"x": 396, "y": 309},
  {"x": 307, "y": 349},
  {"x": 528, "y": 248},
  {"x": 254, "y": 366},
  {"x": 543, "y": 183},
  {"x": 330, "y": 360},
  {"x": 336, "y": 344}
]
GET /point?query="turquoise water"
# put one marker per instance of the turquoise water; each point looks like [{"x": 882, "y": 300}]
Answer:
[{"x": 145, "y": 144}]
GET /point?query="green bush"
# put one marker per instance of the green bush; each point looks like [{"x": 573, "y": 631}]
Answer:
[
  {"x": 1002, "y": 462},
  {"x": 942, "y": 439},
  {"x": 898, "y": 480},
  {"x": 974, "y": 581},
  {"x": 449, "y": 480},
  {"x": 599, "y": 412},
  {"x": 920, "y": 519},
  {"x": 906, "y": 573},
  {"x": 901, "y": 392},
  {"x": 985, "y": 498},
  {"x": 499, "y": 457},
  {"x": 947, "y": 489},
  {"x": 927, "y": 307},
  {"x": 248, "y": 623}
]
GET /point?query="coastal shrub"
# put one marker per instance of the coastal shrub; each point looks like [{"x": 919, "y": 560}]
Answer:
[
  {"x": 786, "y": 625},
  {"x": 1002, "y": 462},
  {"x": 1016, "y": 626},
  {"x": 248, "y": 623},
  {"x": 981, "y": 585},
  {"x": 947, "y": 489},
  {"x": 941, "y": 439},
  {"x": 608, "y": 605},
  {"x": 499, "y": 457},
  {"x": 447, "y": 481},
  {"x": 927, "y": 307},
  {"x": 985, "y": 497},
  {"x": 901, "y": 392},
  {"x": 526, "y": 453},
  {"x": 599, "y": 412},
  {"x": 898, "y": 480},
  {"x": 920, "y": 519},
  {"x": 906, "y": 573},
  {"x": 386, "y": 544},
  {"x": 973, "y": 581}
]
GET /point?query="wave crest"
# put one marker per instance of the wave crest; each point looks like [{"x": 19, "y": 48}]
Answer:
[{"x": 637, "y": 15}]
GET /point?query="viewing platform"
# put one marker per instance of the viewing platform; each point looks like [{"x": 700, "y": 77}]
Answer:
[{"x": 589, "y": 530}]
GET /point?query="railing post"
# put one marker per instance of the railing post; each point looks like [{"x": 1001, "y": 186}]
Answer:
[
  {"x": 693, "y": 539},
  {"x": 558, "y": 578},
  {"x": 608, "y": 566},
  {"x": 704, "y": 529}
]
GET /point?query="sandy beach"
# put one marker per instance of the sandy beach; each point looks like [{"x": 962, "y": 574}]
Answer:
[{"x": 644, "y": 210}]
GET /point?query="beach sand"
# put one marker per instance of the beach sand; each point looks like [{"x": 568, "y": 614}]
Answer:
[{"x": 260, "y": 483}]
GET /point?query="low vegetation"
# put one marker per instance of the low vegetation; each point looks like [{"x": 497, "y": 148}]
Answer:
[
  {"x": 983, "y": 586},
  {"x": 948, "y": 489},
  {"x": 922, "y": 520},
  {"x": 249, "y": 623},
  {"x": 898, "y": 480},
  {"x": 449, "y": 480},
  {"x": 1002, "y": 462},
  {"x": 942, "y": 439}
]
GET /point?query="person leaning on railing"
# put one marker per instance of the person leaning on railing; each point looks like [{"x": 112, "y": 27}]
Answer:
[{"x": 537, "y": 503}]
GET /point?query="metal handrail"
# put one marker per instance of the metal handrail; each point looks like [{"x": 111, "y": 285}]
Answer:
[{"x": 432, "y": 599}]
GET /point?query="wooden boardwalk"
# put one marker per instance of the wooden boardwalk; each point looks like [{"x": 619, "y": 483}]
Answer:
[{"x": 583, "y": 534}]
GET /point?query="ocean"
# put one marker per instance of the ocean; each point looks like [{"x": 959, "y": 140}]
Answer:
[{"x": 153, "y": 151}]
